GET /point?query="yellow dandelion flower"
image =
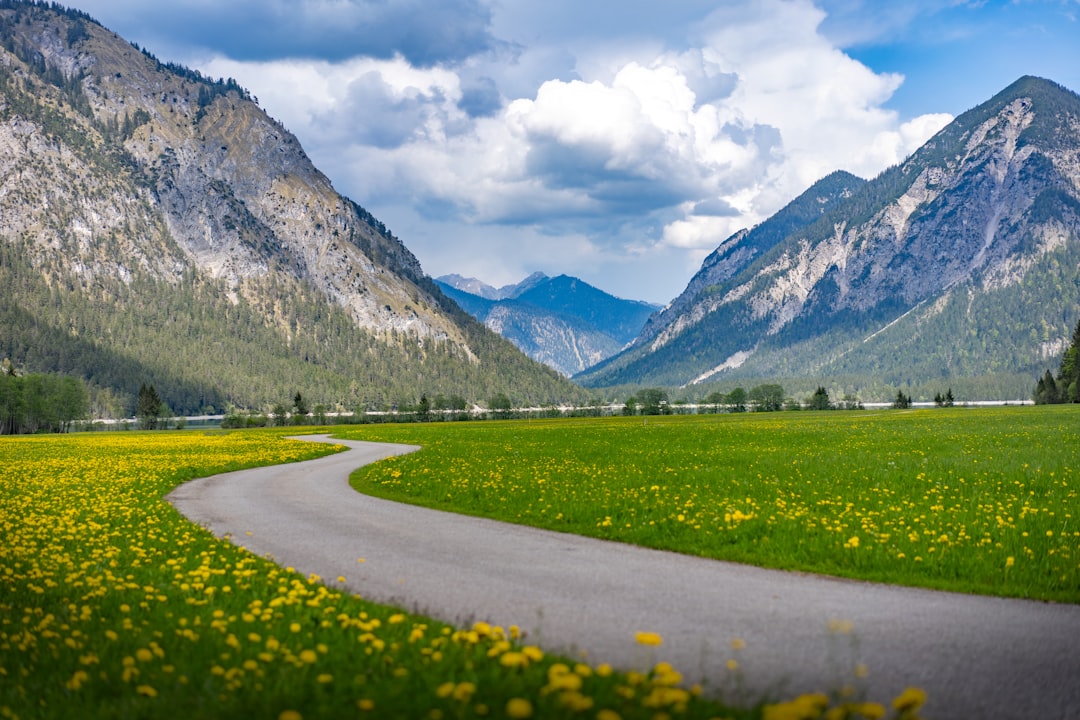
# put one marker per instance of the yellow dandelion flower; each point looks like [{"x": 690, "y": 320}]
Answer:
[
  {"x": 869, "y": 710},
  {"x": 513, "y": 659},
  {"x": 290, "y": 715},
  {"x": 146, "y": 691},
  {"x": 77, "y": 680},
  {"x": 519, "y": 708},
  {"x": 648, "y": 638},
  {"x": 910, "y": 700},
  {"x": 533, "y": 653}
]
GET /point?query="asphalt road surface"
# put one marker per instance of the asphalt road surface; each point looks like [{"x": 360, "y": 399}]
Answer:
[{"x": 977, "y": 657}]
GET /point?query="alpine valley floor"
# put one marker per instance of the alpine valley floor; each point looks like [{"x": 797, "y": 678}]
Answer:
[{"x": 975, "y": 656}]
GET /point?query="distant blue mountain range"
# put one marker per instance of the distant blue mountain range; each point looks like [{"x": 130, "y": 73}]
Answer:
[{"x": 562, "y": 321}]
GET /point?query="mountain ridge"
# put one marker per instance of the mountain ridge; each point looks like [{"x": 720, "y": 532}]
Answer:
[
  {"x": 137, "y": 195},
  {"x": 562, "y": 322},
  {"x": 926, "y": 272}
]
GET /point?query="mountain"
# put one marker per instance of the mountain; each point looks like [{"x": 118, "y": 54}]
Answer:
[
  {"x": 961, "y": 265},
  {"x": 737, "y": 252},
  {"x": 562, "y": 322},
  {"x": 481, "y": 289},
  {"x": 159, "y": 227}
]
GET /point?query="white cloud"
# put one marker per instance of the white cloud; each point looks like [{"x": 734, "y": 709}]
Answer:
[{"x": 616, "y": 156}]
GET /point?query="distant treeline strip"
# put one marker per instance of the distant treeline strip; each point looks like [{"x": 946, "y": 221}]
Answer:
[
  {"x": 1066, "y": 388},
  {"x": 40, "y": 402}
]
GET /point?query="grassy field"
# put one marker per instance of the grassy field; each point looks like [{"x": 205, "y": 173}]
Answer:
[
  {"x": 973, "y": 500},
  {"x": 113, "y": 605}
]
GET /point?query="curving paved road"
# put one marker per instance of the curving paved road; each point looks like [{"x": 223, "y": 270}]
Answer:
[{"x": 977, "y": 657}]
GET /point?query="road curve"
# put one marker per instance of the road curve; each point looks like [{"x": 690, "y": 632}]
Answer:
[{"x": 977, "y": 657}]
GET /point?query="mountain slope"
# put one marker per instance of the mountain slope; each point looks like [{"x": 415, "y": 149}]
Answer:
[
  {"x": 962, "y": 262},
  {"x": 160, "y": 227},
  {"x": 562, "y": 322}
]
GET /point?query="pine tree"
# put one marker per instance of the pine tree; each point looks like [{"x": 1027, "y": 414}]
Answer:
[
  {"x": 820, "y": 400},
  {"x": 1066, "y": 388},
  {"x": 1068, "y": 379},
  {"x": 148, "y": 407},
  {"x": 1046, "y": 392}
]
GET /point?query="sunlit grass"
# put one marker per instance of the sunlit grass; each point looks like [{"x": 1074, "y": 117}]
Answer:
[
  {"x": 974, "y": 500},
  {"x": 113, "y": 605}
]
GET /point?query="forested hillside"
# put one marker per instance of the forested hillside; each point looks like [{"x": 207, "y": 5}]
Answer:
[
  {"x": 157, "y": 227},
  {"x": 959, "y": 266}
]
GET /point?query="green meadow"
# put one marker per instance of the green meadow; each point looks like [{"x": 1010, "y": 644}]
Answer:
[
  {"x": 113, "y": 605},
  {"x": 973, "y": 500}
]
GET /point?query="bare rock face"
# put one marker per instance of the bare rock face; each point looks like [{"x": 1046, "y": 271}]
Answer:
[
  {"x": 202, "y": 177},
  {"x": 157, "y": 226},
  {"x": 949, "y": 265},
  {"x": 562, "y": 322}
]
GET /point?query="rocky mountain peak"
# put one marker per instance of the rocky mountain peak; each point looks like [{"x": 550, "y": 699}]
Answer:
[
  {"x": 154, "y": 221},
  {"x": 969, "y": 240}
]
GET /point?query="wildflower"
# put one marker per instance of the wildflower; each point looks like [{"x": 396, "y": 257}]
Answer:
[
  {"x": 290, "y": 715},
  {"x": 910, "y": 700},
  {"x": 665, "y": 674},
  {"x": 77, "y": 680},
  {"x": 869, "y": 710},
  {"x": 804, "y": 707},
  {"x": 146, "y": 691},
  {"x": 648, "y": 638},
  {"x": 513, "y": 659},
  {"x": 519, "y": 708}
]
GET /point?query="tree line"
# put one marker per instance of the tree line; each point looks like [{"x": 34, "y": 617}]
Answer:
[
  {"x": 40, "y": 402},
  {"x": 1065, "y": 388}
]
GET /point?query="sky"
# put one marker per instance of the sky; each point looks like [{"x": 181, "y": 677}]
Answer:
[{"x": 619, "y": 141}]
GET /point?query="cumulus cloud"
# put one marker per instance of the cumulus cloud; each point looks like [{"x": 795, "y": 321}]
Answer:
[{"x": 631, "y": 149}]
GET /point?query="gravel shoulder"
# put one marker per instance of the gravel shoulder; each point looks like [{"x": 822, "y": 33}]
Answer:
[{"x": 977, "y": 657}]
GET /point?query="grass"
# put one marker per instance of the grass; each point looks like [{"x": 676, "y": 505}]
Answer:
[
  {"x": 972, "y": 500},
  {"x": 113, "y": 605}
]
